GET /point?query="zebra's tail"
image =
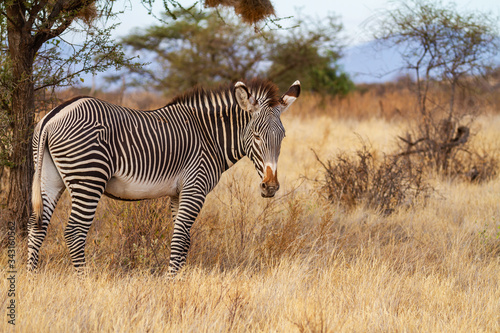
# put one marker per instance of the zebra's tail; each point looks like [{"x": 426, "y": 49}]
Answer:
[{"x": 36, "y": 192}]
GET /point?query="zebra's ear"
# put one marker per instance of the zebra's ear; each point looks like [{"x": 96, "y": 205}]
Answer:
[
  {"x": 245, "y": 100},
  {"x": 290, "y": 96}
]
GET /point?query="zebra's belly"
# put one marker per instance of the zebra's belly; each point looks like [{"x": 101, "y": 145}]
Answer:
[{"x": 130, "y": 189}]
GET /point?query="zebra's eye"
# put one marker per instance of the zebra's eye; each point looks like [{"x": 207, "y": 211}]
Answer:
[{"x": 256, "y": 137}]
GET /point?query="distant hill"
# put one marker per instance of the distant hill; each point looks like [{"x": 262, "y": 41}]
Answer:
[{"x": 368, "y": 63}]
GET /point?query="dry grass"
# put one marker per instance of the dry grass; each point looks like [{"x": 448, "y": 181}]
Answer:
[{"x": 293, "y": 263}]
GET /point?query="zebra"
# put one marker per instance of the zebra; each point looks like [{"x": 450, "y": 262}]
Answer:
[{"x": 92, "y": 148}]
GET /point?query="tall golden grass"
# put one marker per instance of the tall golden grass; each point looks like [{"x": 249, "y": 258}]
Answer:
[{"x": 291, "y": 263}]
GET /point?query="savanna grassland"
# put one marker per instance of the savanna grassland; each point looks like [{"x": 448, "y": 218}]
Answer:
[{"x": 295, "y": 263}]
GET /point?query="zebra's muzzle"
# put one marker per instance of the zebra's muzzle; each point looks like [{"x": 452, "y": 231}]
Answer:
[
  {"x": 269, "y": 192},
  {"x": 270, "y": 184}
]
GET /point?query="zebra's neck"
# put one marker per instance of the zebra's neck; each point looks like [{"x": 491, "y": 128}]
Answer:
[{"x": 222, "y": 121}]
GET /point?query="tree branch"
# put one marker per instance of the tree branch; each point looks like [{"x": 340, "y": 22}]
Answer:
[
  {"x": 62, "y": 10},
  {"x": 35, "y": 10}
]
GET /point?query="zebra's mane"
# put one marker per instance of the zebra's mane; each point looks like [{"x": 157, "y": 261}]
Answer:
[{"x": 263, "y": 90}]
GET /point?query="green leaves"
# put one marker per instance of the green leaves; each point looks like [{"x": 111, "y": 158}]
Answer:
[{"x": 310, "y": 52}]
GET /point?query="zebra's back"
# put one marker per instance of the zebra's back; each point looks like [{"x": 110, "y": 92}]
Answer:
[{"x": 139, "y": 154}]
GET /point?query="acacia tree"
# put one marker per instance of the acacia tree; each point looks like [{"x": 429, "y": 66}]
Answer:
[
  {"x": 310, "y": 51},
  {"x": 33, "y": 58},
  {"x": 445, "y": 50},
  {"x": 218, "y": 49},
  {"x": 197, "y": 48}
]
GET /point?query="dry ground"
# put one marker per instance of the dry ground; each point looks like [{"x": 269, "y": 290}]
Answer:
[{"x": 293, "y": 263}]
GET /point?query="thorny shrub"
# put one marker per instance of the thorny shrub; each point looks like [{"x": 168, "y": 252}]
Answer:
[
  {"x": 436, "y": 145},
  {"x": 447, "y": 150},
  {"x": 382, "y": 184}
]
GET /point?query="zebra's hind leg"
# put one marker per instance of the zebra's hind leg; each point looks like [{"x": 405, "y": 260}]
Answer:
[
  {"x": 52, "y": 188},
  {"x": 185, "y": 208},
  {"x": 84, "y": 200}
]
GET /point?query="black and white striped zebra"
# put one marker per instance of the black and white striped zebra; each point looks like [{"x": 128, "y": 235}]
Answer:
[{"x": 91, "y": 147}]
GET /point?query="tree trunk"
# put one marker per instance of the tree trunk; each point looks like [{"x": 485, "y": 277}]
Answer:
[{"x": 21, "y": 48}]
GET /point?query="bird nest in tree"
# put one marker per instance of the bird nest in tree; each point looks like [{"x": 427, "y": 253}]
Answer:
[{"x": 250, "y": 11}]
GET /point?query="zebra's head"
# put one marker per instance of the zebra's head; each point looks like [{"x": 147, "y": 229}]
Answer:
[{"x": 264, "y": 132}]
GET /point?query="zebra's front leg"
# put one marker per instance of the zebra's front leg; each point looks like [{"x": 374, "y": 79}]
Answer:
[{"x": 185, "y": 208}]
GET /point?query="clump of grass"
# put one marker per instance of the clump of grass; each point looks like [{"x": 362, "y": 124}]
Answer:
[
  {"x": 382, "y": 184},
  {"x": 238, "y": 228},
  {"x": 137, "y": 235}
]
